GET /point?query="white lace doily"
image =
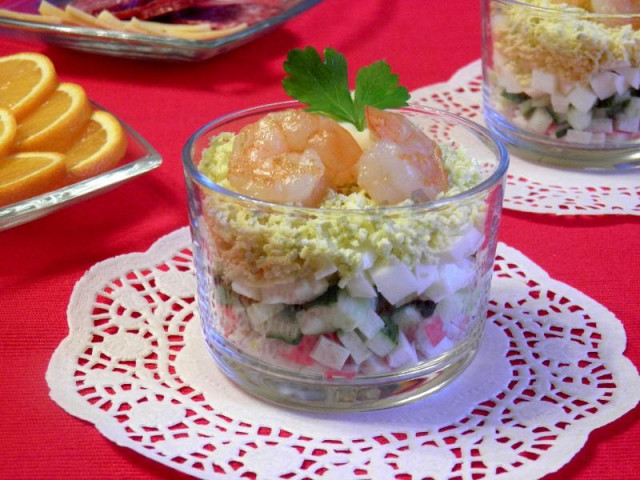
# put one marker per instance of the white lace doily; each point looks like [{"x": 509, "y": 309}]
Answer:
[
  {"x": 532, "y": 187},
  {"x": 550, "y": 370}
]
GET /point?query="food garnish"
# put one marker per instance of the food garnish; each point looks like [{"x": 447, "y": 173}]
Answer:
[
  {"x": 298, "y": 157},
  {"x": 323, "y": 85}
]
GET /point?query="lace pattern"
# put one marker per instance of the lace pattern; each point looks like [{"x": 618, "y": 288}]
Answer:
[{"x": 550, "y": 370}]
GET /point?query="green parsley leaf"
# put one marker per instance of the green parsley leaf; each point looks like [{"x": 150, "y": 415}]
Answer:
[{"x": 324, "y": 85}]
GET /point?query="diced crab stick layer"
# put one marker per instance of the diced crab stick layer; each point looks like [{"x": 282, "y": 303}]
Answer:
[{"x": 428, "y": 311}]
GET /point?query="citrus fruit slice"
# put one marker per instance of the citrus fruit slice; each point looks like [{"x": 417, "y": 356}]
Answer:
[
  {"x": 25, "y": 175},
  {"x": 26, "y": 79},
  {"x": 99, "y": 147},
  {"x": 52, "y": 126},
  {"x": 7, "y": 131}
]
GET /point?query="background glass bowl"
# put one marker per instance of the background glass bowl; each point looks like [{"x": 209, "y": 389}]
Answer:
[
  {"x": 134, "y": 45},
  {"x": 229, "y": 254},
  {"x": 139, "y": 158},
  {"x": 561, "y": 84}
]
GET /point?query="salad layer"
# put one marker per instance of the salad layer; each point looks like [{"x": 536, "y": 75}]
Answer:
[{"x": 347, "y": 289}]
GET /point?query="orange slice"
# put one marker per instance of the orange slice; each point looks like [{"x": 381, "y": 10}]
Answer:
[
  {"x": 99, "y": 148},
  {"x": 25, "y": 175},
  {"x": 26, "y": 79},
  {"x": 7, "y": 131},
  {"x": 52, "y": 126}
]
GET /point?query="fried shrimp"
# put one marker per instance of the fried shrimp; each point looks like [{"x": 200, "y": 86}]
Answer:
[
  {"x": 403, "y": 163},
  {"x": 292, "y": 157}
]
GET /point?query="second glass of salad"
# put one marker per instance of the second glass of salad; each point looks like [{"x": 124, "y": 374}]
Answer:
[
  {"x": 562, "y": 79},
  {"x": 343, "y": 260}
]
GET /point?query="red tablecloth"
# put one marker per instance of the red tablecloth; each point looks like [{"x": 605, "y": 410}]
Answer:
[{"x": 425, "y": 42}]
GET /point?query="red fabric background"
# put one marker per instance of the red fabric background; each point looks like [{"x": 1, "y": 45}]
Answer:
[{"x": 425, "y": 42}]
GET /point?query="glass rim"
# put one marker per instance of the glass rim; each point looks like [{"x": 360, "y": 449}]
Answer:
[
  {"x": 571, "y": 10},
  {"x": 490, "y": 139}
]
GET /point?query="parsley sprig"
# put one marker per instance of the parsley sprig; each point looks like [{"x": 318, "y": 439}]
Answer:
[{"x": 324, "y": 85}]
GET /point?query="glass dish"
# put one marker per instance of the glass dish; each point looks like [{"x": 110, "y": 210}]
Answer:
[
  {"x": 289, "y": 295},
  {"x": 139, "y": 158},
  {"x": 561, "y": 83},
  {"x": 133, "y": 45}
]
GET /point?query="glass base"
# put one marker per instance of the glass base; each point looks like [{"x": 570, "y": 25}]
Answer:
[
  {"x": 545, "y": 150},
  {"x": 292, "y": 389}
]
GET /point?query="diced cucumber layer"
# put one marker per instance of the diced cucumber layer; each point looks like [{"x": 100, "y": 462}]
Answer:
[
  {"x": 346, "y": 314},
  {"x": 582, "y": 98},
  {"x": 381, "y": 344},
  {"x": 578, "y": 119},
  {"x": 315, "y": 320},
  {"x": 607, "y": 109},
  {"x": 372, "y": 344},
  {"x": 372, "y": 322},
  {"x": 259, "y": 314},
  {"x": 352, "y": 312},
  {"x": 407, "y": 317},
  {"x": 370, "y": 325},
  {"x": 284, "y": 326},
  {"x": 540, "y": 120},
  {"x": 357, "y": 348}
]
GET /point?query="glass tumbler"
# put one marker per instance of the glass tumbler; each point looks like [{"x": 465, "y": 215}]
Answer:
[
  {"x": 352, "y": 308},
  {"x": 561, "y": 80}
]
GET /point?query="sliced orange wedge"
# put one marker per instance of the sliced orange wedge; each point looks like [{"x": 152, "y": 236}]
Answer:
[
  {"x": 99, "y": 147},
  {"x": 25, "y": 175},
  {"x": 26, "y": 79},
  {"x": 53, "y": 126},
  {"x": 7, "y": 131}
]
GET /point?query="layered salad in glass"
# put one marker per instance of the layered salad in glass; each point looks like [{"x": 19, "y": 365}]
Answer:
[
  {"x": 565, "y": 70},
  {"x": 329, "y": 243}
]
